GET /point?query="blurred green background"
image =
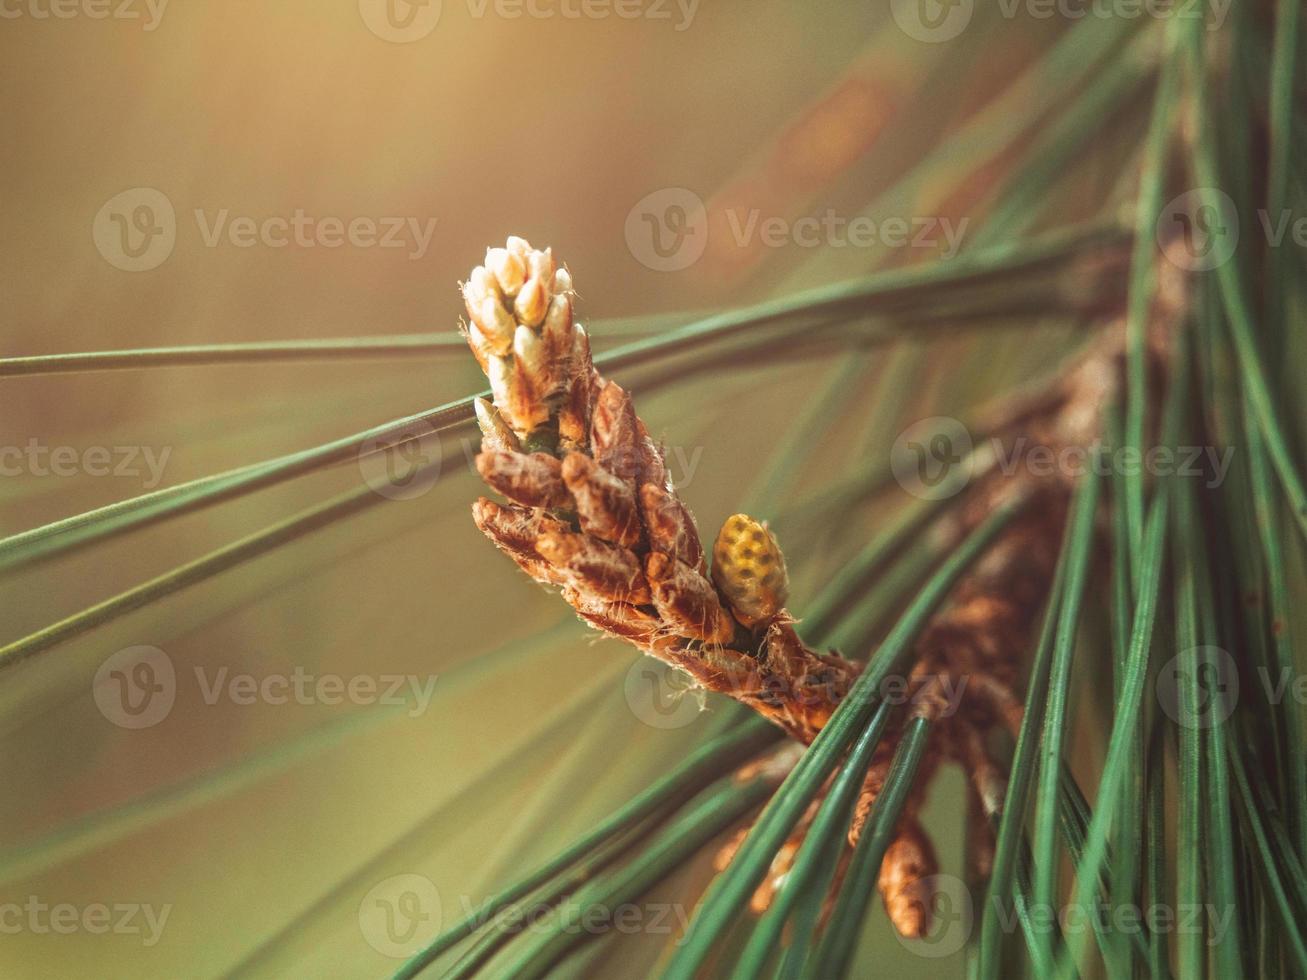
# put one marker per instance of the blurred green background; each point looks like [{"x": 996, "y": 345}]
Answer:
[{"x": 264, "y": 827}]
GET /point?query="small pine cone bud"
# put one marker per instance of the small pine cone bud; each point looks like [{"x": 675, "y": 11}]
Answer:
[
  {"x": 749, "y": 569},
  {"x": 481, "y": 348},
  {"x": 495, "y": 433},
  {"x": 905, "y": 880},
  {"x": 582, "y": 360},
  {"x": 620, "y": 618},
  {"x": 619, "y": 441},
  {"x": 604, "y": 504},
  {"x": 480, "y": 285},
  {"x": 596, "y": 567},
  {"x": 557, "y": 330},
  {"x": 515, "y": 531},
  {"x": 532, "y": 303},
  {"x": 534, "y": 363},
  {"x": 513, "y": 395},
  {"x": 516, "y": 245},
  {"x": 687, "y": 600},
  {"x": 496, "y": 325},
  {"x": 508, "y": 269},
  {"x": 652, "y": 467},
  {"x": 530, "y": 479},
  {"x": 540, "y": 265},
  {"x": 613, "y": 430},
  {"x": 574, "y": 413},
  {"x": 669, "y": 525}
]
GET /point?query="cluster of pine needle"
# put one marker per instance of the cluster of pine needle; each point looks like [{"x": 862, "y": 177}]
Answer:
[{"x": 1178, "y": 357}]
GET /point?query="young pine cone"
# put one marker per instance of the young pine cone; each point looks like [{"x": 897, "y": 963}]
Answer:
[{"x": 591, "y": 509}]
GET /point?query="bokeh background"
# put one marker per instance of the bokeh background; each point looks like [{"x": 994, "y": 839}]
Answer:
[{"x": 263, "y": 827}]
